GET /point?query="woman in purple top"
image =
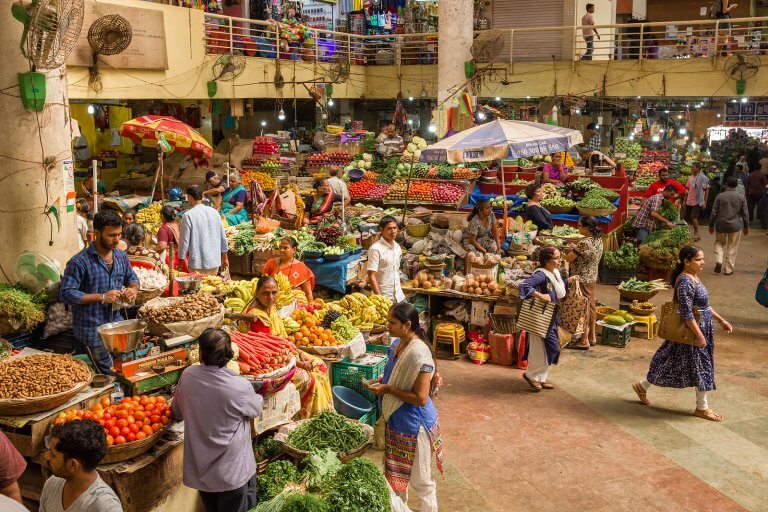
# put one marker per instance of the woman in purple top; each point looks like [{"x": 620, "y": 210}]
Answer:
[{"x": 555, "y": 172}]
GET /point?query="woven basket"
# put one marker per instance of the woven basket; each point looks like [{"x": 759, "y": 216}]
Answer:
[
  {"x": 559, "y": 209},
  {"x": 418, "y": 230},
  {"x": 7, "y": 328},
  {"x": 7, "y": 348},
  {"x": 596, "y": 213},
  {"x": 299, "y": 455},
  {"x": 123, "y": 452},
  {"x": 24, "y": 406},
  {"x": 642, "y": 312},
  {"x": 146, "y": 295},
  {"x": 637, "y": 295},
  {"x": 603, "y": 311}
]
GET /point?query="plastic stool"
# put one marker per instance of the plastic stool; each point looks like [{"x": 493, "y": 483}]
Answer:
[
  {"x": 649, "y": 321},
  {"x": 449, "y": 333}
]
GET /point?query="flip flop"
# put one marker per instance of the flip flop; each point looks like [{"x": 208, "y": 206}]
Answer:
[
  {"x": 534, "y": 385},
  {"x": 708, "y": 414},
  {"x": 641, "y": 393},
  {"x": 577, "y": 347},
  {"x": 547, "y": 385}
]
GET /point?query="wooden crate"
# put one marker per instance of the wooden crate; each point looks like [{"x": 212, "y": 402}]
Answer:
[{"x": 29, "y": 440}]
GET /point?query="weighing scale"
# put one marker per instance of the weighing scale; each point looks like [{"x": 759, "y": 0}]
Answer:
[{"x": 152, "y": 366}]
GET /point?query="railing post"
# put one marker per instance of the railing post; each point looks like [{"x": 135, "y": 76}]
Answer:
[
  {"x": 231, "y": 26},
  {"x": 349, "y": 48},
  {"x": 717, "y": 39},
  {"x": 642, "y": 42},
  {"x": 277, "y": 41},
  {"x": 574, "y": 50},
  {"x": 317, "y": 46},
  {"x": 511, "y": 44}
]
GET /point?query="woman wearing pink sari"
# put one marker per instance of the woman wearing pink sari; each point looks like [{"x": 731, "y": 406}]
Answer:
[{"x": 555, "y": 172}]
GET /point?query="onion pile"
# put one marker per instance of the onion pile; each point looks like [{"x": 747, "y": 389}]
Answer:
[
  {"x": 447, "y": 193},
  {"x": 482, "y": 285}
]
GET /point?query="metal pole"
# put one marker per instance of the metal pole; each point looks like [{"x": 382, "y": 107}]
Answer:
[
  {"x": 95, "y": 165},
  {"x": 407, "y": 187}
]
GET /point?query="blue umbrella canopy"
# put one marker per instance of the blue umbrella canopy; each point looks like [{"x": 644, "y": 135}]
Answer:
[{"x": 502, "y": 139}]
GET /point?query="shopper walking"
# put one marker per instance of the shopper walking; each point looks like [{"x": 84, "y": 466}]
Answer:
[
  {"x": 203, "y": 241},
  {"x": 584, "y": 259},
  {"x": 545, "y": 284},
  {"x": 412, "y": 432},
  {"x": 728, "y": 221},
  {"x": 73, "y": 451},
  {"x": 94, "y": 280},
  {"x": 755, "y": 188},
  {"x": 696, "y": 201},
  {"x": 677, "y": 365},
  {"x": 589, "y": 32},
  {"x": 384, "y": 259},
  {"x": 217, "y": 407}
]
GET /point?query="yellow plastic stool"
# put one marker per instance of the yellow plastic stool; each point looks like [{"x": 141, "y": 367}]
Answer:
[
  {"x": 449, "y": 333},
  {"x": 649, "y": 321}
]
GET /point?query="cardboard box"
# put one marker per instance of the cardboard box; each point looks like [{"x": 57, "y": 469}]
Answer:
[
  {"x": 480, "y": 310},
  {"x": 279, "y": 409}
]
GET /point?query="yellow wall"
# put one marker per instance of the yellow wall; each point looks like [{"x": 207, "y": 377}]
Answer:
[{"x": 190, "y": 69}]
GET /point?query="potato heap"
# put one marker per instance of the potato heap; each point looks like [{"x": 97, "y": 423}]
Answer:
[
  {"x": 40, "y": 375},
  {"x": 482, "y": 285},
  {"x": 425, "y": 280},
  {"x": 191, "y": 307}
]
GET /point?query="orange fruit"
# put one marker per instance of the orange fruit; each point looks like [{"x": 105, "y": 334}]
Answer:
[{"x": 110, "y": 440}]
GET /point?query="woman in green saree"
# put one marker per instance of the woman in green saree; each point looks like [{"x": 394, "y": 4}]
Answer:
[{"x": 233, "y": 203}]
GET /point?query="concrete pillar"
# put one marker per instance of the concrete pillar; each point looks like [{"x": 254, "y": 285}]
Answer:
[
  {"x": 23, "y": 194},
  {"x": 455, "y": 40}
]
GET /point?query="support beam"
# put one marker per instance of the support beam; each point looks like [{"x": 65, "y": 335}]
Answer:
[{"x": 455, "y": 39}]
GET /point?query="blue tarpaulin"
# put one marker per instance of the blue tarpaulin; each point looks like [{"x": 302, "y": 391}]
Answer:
[{"x": 332, "y": 274}]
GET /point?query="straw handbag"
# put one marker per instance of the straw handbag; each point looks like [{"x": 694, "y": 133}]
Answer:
[
  {"x": 672, "y": 327},
  {"x": 573, "y": 311},
  {"x": 536, "y": 316}
]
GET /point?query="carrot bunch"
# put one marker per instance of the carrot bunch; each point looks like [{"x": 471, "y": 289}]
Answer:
[{"x": 260, "y": 353}]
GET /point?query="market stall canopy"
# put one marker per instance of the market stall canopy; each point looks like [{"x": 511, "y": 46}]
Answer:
[
  {"x": 144, "y": 130},
  {"x": 501, "y": 139}
]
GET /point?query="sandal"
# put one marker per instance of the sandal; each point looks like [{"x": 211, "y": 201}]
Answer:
[
  {"x": 708, "y": 414},
  {"x": 641, "y": 393},
  {"x": 576, "y": 346},
  {"x": 697, "y": 239},
  {"x": 536, "y": 386},
  {"x": 547, "y": 385}
]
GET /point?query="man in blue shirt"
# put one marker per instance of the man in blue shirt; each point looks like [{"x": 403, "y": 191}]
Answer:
[{"x": 96, "y": 278}]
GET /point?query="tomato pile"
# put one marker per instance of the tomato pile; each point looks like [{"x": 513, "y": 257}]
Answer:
[
  {"x": 133, "y": 419},
  {"x": 655, "y": 155},
  {"x": 367, "y": 189}
]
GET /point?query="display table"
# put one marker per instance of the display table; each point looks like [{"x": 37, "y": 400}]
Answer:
[{"x": 333, "y": 274}]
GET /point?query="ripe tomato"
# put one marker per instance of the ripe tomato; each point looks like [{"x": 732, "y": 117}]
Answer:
[
  {"x": 119, "y": 440},
  {"x": 164, "y": 420},
  {"x": 121, "y": 414},
  {"x": 125, "y": 400},
  {"x": 125, "y": 431},
  {"x": 144, "y": 401},
  {"x": 139, "y": 415},
  {"x": 107, "y": 416},
  {"x": 168, "y": 413},
  {"x": 133, "y": 428},
  {"x": 140, "y": 436},
  {"x": 147, "y": 430},
  {"x": 98, "y": 415},
  {"x": 131, "y": 419},
  {"x": 114, "y": 431},
  {"x": 105, "y": 401},
  {"x": 109, "y": 423},
  {"x": 156, "y": 427},
  {"x": 135, "y": 398},
  {"x": 88, "y": 415},
  {"x": 58, "y": 421},
  {"x": 122, "y": 422},
  {"x": 110, "y": 440},
  {"x": 149, "y": 407},
  {"x": 79, "y": 414},
  {"x": 152, "y": 399},
  {"x": 154, "y": 418},
  {"x": 160, "y": 399},
  {"x": 139, "y": 424},
  {"x": 100, "y": 422},
  {"x": 130, "y": 437}
]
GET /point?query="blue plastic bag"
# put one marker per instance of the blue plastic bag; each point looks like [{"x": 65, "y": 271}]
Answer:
[{"x": 761, "y": 294}]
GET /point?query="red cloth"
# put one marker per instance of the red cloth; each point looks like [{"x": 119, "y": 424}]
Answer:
[
  {"x": 657, "y": 187},
  {"x": 258, "y": 326},
  {"x": 12, "y": 464}
]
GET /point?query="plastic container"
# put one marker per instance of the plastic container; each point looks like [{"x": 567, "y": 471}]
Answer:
[
  {"x": 350, "y": 403},
  {"x": 350, "y": 373}
]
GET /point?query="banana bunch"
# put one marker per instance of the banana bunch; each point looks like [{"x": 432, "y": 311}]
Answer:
[
  {"x": 363, "y": 311},
  {"x": 240, "y": 294},
  {"x": 291, "y": 325},
  {"x": 286, "y": 293},
  {"x": 149, "y": 217},
  {"x": 211, "y": 284}
]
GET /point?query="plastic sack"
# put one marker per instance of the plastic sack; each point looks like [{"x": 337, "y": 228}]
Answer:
[
  {"x": 478, "y": 352},
  {"x": 58, "y": 320}
]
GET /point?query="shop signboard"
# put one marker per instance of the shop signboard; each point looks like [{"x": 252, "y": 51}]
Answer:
[{"x": 747, "y": 113}]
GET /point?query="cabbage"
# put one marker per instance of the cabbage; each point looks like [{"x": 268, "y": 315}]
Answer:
[
  {"x": 423, "y": 144},
  {"x": 368, "y": 164},
  {"x": 232, "y": 365},
  {"x": 418, "y": 247},
  {"x": 361, "y": 164},
  {"x": 235, "y": 350}
]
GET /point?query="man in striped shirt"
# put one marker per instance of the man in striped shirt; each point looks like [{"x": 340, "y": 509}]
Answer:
[{"x": 645, "y": 221}]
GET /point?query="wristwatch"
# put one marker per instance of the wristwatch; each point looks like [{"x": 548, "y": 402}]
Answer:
[{"x": 103, "y": 297}]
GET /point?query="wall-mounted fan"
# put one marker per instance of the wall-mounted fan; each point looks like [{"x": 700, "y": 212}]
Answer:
[
  {"x": 108, "y": 35},
  {"x": 37, "y": 272},
  {"x": 740, "y": 68},
  {"x": 51, "y": 29},
  {"x": 226, "y": 68},
  {"x": 338, "y": 72}
]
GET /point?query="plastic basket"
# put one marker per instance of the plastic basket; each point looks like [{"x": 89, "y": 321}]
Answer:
[
  {"x": 350, "y": 374},
  {"x": 615, "y": 276},
  {"x": 616, "y": 337},
  {"x": 370, "y": 418},
  {"x": 372, "y": 348}
]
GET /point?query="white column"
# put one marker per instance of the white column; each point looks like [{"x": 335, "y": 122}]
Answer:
[
  {"x": 22, "y": 181},
  {"x": 455, "y": 39}
]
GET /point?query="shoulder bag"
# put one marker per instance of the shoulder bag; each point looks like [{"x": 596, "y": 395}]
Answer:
[
  {"x": 671, "y": 325},
  {"x": 572, "y": 315},
  {"x": 761, "y": 294}
]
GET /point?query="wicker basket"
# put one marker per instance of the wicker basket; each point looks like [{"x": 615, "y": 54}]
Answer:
[
  {"x": 7, "y": 328},
  {"x": 603, "y": 311},
  {"x": 596, "y": 213},
  {"x": 299, "y": 455},
  {"x": 123, "y": 452},
  {"x": 418, "y": 230},
  {"x": 642, "y": 312},
  {"x": 637, "y": 295},
  {"x": 5, "y": 348},
  {"x": 146, "y": 295},
  {"x": 559, "y": 209},
  {"x": 24, "y": 406}
]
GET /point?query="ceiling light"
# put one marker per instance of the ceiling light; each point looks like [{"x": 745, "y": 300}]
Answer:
[
  {"x": 330, "y": 102},
  {"x": 733, "y": 101},
  {"x": 432, "y": 128},
  {"x": 631, "y": 136},
  {"x": 481, "y": 115},
  {"x": 527, "y": 97},
  {"x": 263, "y": 122},
  {"x": 679, "y": 117},
  {"x": 682, "y": 131},
  {"x": 578, "y": 111},
  {"x": 666, "y": 111},
  {"x": 281, "y": 115},
  {"x": 91, "y": 110},
  {"x": 744, "y": 100},
  {"x": 410, "y": 122},
  {"x": 718, "y": 115},
  {"x": 638, "y": 97},
  {"x": 655, "y": 138},
  {"x": 497, "y": 98},
  {"x": 410, "y": 96}
]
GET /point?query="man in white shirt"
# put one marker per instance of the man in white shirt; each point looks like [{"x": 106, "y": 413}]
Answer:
[
  {"x": 202, "y": 236},
  {"x": 384, "y": 259},
  {"x": 73, "y": 451},
  {"x": 589, "y": 33},
  {"x": 337, "y": 184}
]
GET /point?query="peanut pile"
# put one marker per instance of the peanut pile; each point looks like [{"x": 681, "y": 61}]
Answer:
[
  {"x": 40, "y": 375},
  {"x": 191, "y": 307}
]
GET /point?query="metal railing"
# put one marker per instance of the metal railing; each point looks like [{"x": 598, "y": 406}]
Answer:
[{"x": 635, "y": 41}]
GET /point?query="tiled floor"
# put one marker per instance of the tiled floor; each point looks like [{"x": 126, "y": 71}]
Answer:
[{"x": 590, "y": 445}]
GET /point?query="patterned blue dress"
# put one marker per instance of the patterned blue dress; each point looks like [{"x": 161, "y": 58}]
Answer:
[{"x": 676, "y": 365}]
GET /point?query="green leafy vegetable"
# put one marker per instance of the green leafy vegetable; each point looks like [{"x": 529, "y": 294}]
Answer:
[
  {"x": 266, "y": 449},
  {"x": 304, "y": 502},
  {"x": 626, "y": 258},
  {"x": 17, "y": 306},
  {"x": 273, "y": 481},
  {"x": 320, "y": 468},
  {"x": 359, "y": 486},
  {"x": 594, "y": 202}
]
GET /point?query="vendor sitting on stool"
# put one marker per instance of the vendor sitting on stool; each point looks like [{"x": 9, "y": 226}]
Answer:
[
  {"x": 482, "y": 234},
  {"x": 555, "y": 172},
  {"x": 321, "y": 203},
  {"x": 95, "y": 279},
  {"x": 233, "y": 205},
  {"x": 297, "y": 272},
  {"x": 534, "y": 211}
]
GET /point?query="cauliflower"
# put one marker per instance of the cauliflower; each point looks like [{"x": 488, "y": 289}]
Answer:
[
  {"x": 368, "y": 164},
  {"x": 194, "y": 355},
  {"x": 236, "y": 351},
  {"x": 367, "y": 157},
  {"x": 232, "y": 365},
  {"x": 417, "y": 153},
  {"x": 361, "y": 164},
  {"x": 412, "y": 147}
]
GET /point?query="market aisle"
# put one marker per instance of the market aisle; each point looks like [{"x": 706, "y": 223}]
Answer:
[{"x": 591, "y": 444}]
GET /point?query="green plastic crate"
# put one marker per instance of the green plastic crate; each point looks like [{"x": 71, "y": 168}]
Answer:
[
  {"x": 349, "y": 373},
  {"x": 371, "y": 417},
  {"x": 372, "y": 348},
  {"x": 616, "y": 337}
]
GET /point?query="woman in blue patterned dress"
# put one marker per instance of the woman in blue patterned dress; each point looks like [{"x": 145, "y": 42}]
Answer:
[{"x": 677, "y": 365}]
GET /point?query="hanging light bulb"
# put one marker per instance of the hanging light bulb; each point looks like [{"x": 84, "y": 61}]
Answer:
[
  {"x": 527, "y": 97},
  {"x": 281, "y": 115},
  {"x": 744, "y": 100},
  {"x": 578, "y": 111},
  {"x": 631, "y": 136},
  {"x": 263, "y": 122},
  {"x": 91, "y": 110},
  {"x": 497, "y": 98},
  {"x": 330, "y": 102},
  {"x": 432, "y": 128},
  {"x": 423, "y": 92},
  {"x": 655, "y": 138},
  {"x": 410, "y": 96},
  {"x": 410, "y": 122},
  {"x": 682, "y": 130},
  {"x": 718, "y": 116},
  {"x": 481, "y": 115}
]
